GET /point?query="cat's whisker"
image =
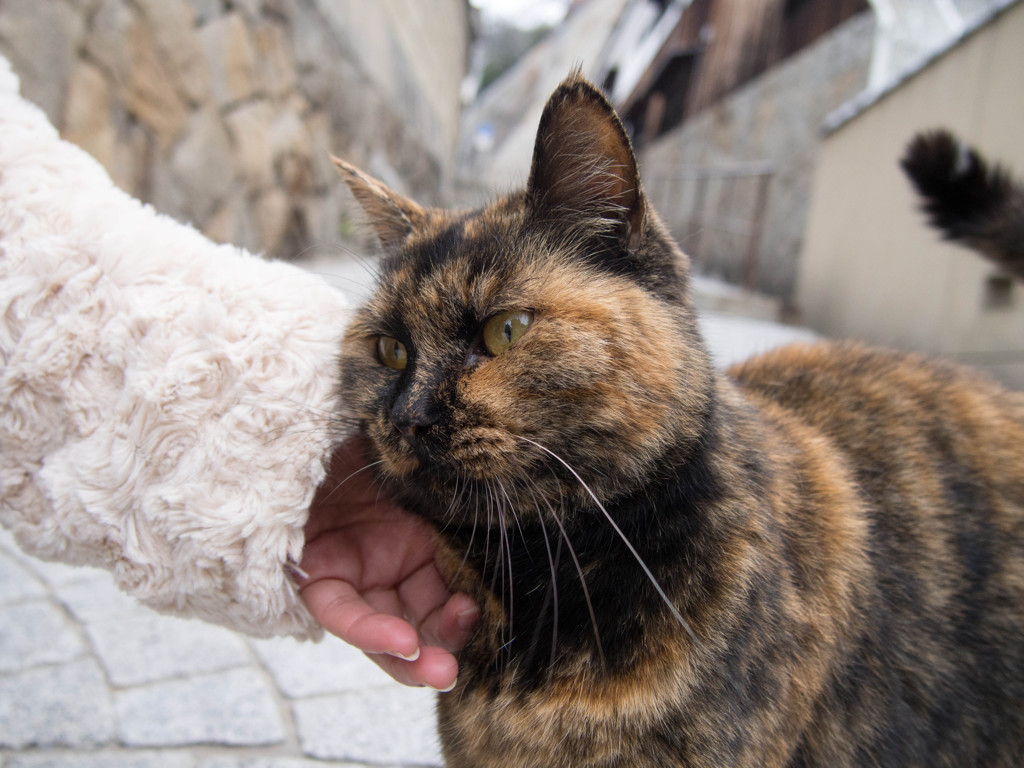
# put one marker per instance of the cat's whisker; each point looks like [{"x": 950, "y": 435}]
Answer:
[
  {"x": 323, "y": 416},
  {"x": 625, "y": 540},
  {"x": 505, "y": 537},
  {"x": 337, "y": 487},
  {"x": 489, "y": 527},
  {"x": 472, "y": 533},
  {"x": 553, "y": 591},
  {"x": 478, "y": 497},
  {"x": 325, "y": 412},
  {"x": 512, "y": 509},
  {"x": 586, "y": 590},
  {"x": 583, "y": 581},
  {"x": 368, "y": 264},
  {"x": 497, "y": 572},
  {"x": 449, "y": 516},
  {"x": 318, "y": 418},
  {"x": 508, "y": 545},
  {"x": 552, "y": 594},
  {"x": 553, "y": 562},
  {"x": 279, "y": 433}
]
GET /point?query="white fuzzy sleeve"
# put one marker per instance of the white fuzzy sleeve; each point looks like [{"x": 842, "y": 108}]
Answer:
[{"x": 164, "y": 401}]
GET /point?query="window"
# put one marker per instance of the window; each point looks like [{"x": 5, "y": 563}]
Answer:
[{"x": 999, "y": 292}]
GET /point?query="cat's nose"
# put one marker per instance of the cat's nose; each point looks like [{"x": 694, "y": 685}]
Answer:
[
  {"x": 416, "y": 435},
  {"x": 412, "y": 423},
  {"x": 417, "y": 409},
  {"x": 408, "y": 429}
]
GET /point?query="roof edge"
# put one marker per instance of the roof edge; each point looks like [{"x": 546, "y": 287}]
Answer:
[{"x": 867, "y": 98}]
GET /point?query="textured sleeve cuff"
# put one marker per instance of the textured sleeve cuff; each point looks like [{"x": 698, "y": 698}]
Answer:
[{"x": 165, "y": 402}]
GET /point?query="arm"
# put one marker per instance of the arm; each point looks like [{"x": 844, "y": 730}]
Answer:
[{"x": 164, "y": 401}]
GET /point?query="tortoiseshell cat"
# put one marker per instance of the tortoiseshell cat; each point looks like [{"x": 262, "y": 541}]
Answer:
[{"x": 816, "y": 559}]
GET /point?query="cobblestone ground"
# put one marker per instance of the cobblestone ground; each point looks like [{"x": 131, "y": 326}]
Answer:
[{"x": 91, "y": 679}]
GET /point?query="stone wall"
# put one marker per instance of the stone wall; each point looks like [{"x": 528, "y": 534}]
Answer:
[
  {"x": 224, "y": 113},
  {"x": 773, "y": 121}
]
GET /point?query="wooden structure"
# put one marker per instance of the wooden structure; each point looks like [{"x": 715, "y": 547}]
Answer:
[{"x": 717, "y": 46}]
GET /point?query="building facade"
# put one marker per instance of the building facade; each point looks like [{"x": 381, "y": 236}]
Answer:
[{"x": 871, "y": 267}]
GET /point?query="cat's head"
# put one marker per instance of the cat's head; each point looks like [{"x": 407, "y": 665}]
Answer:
[{"x": 549, "y": 330}]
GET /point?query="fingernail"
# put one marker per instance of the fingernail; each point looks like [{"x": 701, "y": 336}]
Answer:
[
  {"x": 468, "y": 618},
  {"x": 415, "y": 655},
  {"x": 449, "y": 688}
]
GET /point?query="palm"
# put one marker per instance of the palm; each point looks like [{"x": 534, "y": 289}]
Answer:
[{"x": 371, "y": 578}]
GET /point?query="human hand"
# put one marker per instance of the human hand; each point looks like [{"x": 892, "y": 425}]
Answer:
[{"x": 370, "y": 578}]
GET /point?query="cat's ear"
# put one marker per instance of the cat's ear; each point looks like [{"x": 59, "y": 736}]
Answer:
[
  {"x": 583, "y": 163},
  {"x": 393, "y": 216}
]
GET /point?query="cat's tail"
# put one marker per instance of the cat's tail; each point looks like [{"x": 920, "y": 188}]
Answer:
[{"x": 967, "y": 199}]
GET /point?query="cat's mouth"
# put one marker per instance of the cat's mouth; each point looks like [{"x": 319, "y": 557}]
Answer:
[
  {"x": 483, "y": 452},
  {"x": 450, "y": 469},
  {"x": 476, "y": 453}
]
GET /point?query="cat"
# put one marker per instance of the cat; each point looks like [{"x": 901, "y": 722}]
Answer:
[
  {"x": 968, "y": 200},
  {"x": 813, "y": 559}
]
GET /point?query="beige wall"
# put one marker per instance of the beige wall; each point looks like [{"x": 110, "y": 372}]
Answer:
[{"x": 871, "y": 268}]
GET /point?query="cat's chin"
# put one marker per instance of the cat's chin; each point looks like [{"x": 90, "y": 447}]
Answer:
[
  {"x": 451, "y": 479},
  {"x": 480, "y": 490}
]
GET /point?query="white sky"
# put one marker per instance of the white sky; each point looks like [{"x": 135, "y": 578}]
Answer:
[{"x": 525, "y": 13}]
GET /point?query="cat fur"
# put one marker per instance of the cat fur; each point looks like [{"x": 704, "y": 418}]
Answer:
[{"x": 813, "y": 559}]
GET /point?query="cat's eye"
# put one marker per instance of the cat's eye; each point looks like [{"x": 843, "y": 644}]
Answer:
[
  {"x": 392, "y": 353},
  {"x": 505, "y": 329}
]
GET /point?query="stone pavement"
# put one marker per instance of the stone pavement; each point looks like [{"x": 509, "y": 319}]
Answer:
[{"x": 89, "y": 678}]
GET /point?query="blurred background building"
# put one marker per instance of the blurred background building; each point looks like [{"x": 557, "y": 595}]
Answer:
[
  {"x": 869, "y": 268},
  {"x": 768, "y": 133}
]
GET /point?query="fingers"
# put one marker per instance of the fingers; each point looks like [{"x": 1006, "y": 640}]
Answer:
[
  {"x": 423, "y": 593},
  {"x": 435, "y": 668},
  {"x": 451, "y": 625},
  {"x": 393, "y": 643},
  {"x": 372, "y": 622},
  {"x": 368, "y": 566},
  {"x": 343, "y": 612}
]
